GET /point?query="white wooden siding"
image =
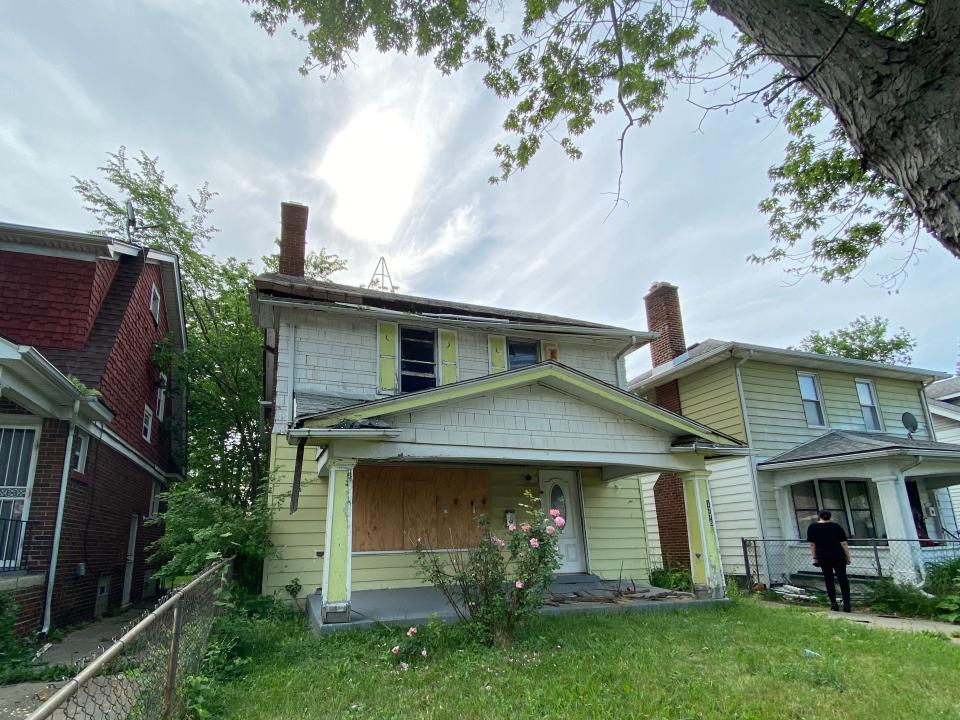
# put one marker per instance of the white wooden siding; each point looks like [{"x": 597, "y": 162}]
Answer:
[
  {"x": 614, "y": 519},
  {"x": 338, "y": 354},
  {"x": 948, "y": 430},
  {"x": 654, "y": 552}
]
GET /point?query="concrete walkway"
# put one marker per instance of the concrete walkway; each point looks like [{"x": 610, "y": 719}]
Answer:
[
  {"x": 887, "y": 622},
  {"x": 18, "y": 701}
]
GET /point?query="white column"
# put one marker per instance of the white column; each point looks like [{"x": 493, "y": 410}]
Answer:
[
  {"x": 905, "y": 559},
  {"x": 338, "y": 545},
  {"x": 705, "y": 563}
]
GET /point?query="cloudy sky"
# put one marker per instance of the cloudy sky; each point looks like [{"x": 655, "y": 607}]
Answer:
[{"x": 393, "y": 160}]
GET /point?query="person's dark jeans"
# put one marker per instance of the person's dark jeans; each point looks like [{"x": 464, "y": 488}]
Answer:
[{"x": 838, "y": 570}]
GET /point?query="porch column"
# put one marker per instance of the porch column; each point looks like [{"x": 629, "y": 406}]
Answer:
[
  {"x": 705, "y": 564},
  {"x": 338, "y": 544},
  {"x": 905, "y": 558}
]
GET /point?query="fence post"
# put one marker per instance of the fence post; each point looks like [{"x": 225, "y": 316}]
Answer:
[
  {"x": 876, "y": 558},
  {"x": 746, "y": 562},
  {"x": 170, "y": 683}
]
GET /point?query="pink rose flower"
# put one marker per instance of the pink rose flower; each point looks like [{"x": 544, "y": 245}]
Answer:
[
  {"x": 559, "y": 522},
  {"x": 551, "y": 529},
  {"x": 512, "y": 527},
  {"x": 519, "y": 584},
  {"x": 534, "y": 543},
  {"x": 411, "y": 632},
  {"x": 554, "y": 512},
  {"x": 395, "y": 649},
  {"x": 525, "y": 527},
  {"x": 498, "y": 542},
  {"x": 423, "y": 652}
]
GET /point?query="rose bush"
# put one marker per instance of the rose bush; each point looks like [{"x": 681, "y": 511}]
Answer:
[{"x": 502, "y": 580}]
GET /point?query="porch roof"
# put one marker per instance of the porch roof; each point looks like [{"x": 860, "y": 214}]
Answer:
[
  {"x": 848, "y": 445},
  {"x": 688, "y": 433}
]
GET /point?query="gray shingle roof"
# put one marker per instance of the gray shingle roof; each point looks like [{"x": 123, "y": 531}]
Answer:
[
  {"x": 839, "y": 443},
  {"x": 944, "y": 388}
]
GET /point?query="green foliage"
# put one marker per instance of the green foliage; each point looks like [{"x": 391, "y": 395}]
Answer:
[
  {"x": 890, "y": 597},
  {"x": 10, "y": 647},
  {"x": 16, "y": 664},
  {"x": 864, "y": 339},
  {"x": 317, "y": 264},
  {"x": 220, "y": 371},
  {"x": 200, "y": 528},
  {"x": 564, "y": 65},
  {"x": 672, "y": 578},
  {"x": 499, "y": 583},
  {"x": 943, "y": 578}
]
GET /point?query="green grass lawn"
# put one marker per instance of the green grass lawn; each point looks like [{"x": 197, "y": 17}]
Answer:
[{"x": 744, "y": 661}]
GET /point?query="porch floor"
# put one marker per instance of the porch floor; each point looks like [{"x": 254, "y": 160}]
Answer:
[{"x": 413, "y": 606}]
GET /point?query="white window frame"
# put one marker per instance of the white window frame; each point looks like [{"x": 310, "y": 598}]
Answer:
[
  {"x": 24, "y": 422},
  {"x": 155, "y": 491},
  {"x": 146, "y": 429},
  {"x": 847, "y": 510},
  {"x": 161, "y": 397},
  {"x": 155, "y": 303},
  {"x": 876, "y": 403},
  {"x": 523, "y": 341},
  {"x": 80, "y": 465},
  {"x": 819, "y": 400}
]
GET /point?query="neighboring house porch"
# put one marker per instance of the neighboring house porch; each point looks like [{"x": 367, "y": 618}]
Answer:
[
  {"x": 357, "y": 486},
  {"x": 887, "y": 492}
]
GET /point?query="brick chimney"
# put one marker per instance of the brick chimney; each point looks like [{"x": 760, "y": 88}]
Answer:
[
  {"x": 663, "y": 316},
  {"x": 293, "y": 238}
]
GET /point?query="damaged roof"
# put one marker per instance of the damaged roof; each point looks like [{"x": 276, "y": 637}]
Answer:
[{"x": 299, "y": 288}]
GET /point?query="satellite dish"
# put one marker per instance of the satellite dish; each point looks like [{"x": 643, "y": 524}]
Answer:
[{"x": 909, "y": 422}]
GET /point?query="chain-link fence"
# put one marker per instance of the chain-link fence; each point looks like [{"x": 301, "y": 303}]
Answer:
[
  {"x": 770, "y": 563},
  {"x": 142, "y": 674}
]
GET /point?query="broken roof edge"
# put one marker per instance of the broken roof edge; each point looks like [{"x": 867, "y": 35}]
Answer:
[
  {"x": 719, "y": 350},
  {"x": 433, "y": 309},
  {"x": 528, "y": 374}
]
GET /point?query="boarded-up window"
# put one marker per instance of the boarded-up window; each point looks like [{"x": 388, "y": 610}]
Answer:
[{"x": 393, "y": 507}]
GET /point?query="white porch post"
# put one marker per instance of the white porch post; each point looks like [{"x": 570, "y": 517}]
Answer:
[
  {"x": 905, "y": 557},
  {"x": 705, "y": 564},
  {"x": 338, "y": 544}
]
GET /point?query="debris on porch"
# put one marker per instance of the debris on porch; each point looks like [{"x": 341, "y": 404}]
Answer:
[{"x": 585, "y": 588}]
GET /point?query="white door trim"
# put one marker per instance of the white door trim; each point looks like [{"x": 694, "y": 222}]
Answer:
[
  {"x": 569, "y": 477},
  {"x": 20, "y": 422}
]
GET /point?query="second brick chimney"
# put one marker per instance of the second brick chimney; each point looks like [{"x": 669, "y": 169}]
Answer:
[
  {"x": 662, "y": 304},
  {"x": 293, "y": 238}
]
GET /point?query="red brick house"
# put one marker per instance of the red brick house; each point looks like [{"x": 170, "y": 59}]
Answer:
[{"x": 91, "y": 426}]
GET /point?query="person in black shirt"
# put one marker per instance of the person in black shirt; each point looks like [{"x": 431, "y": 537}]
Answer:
[{"x": 828, "y": 545}]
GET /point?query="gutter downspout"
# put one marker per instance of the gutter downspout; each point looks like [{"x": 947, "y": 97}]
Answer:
[
  {"x": 58, "y": 528},
  {"x": 621, "y": 370},
  {"x": 746, "y": 429},
  {"x": 931, "y": 433}
]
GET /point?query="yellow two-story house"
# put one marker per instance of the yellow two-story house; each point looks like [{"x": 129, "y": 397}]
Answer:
[
  {"x": 850, "y": 436},
  {"x": 396, "y": 420}
]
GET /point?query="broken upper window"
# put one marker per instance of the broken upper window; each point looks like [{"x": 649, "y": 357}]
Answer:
[{"x": 418, "y": 359}]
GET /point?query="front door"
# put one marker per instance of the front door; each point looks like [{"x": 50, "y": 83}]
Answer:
[
  {"x": 17, "y": 460},
  {"x": 558, "y": 489},
  {"x": 131, "y": 557}
]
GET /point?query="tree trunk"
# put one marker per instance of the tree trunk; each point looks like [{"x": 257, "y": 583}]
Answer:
[{"x": 899, "y": 103}]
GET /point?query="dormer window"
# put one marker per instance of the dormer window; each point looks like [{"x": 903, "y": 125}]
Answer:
[
  {"x": 521, "y": 353},
  {"x": 812, "y": 399},
  {"x": 155, "y": 304},
  {"x": 146, "y": 431},
  {"x": 418, "y": 359},
  {"x": 867, "y": 395}
]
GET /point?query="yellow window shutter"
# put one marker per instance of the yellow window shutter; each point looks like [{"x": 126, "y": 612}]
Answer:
[
  {"x": 497, "y": 345},
  {"x": 448, "y": 357},
  {"x": 549, "y": 351},
  {"x": 387, "y": 351}
]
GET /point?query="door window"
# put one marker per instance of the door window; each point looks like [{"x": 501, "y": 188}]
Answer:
[
  {"x": 16, "y": 454},
  {"x": 558, "y": 500}
]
